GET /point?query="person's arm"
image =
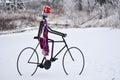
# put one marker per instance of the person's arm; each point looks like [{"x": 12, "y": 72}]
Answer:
[
  {"x": 39, "y": 31},
  {"x": 56, "y": 32},
  {"x": 40, "y": 28}
]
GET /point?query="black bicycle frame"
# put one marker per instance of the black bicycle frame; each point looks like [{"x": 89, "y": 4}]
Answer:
[
  {"x": 50, "y": 40},
  {"x": 33, "y": 54},
  {"x": 63, "y": 41}
]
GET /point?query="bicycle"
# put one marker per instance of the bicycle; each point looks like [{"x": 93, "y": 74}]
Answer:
[{"x": 47, "y": 63}]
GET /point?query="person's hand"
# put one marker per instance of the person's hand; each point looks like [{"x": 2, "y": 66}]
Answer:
[
  {"x": 64, "y": 35},
  {"x": 36, "y": 37}
]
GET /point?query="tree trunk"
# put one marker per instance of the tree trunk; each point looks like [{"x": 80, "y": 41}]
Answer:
[{"x": 80, "y": 5}]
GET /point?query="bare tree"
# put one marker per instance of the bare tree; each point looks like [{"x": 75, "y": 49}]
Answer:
[
  {"x": 80, "y": 5},
  {"x": 101, "y": 2}
]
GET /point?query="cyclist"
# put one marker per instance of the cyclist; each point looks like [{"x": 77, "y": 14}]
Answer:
[
  {"x": 43, "y": 37},
  {"x": 43, "y": 31}
]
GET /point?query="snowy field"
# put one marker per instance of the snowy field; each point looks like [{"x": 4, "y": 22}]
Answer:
[{"x": 101, "y": 48}]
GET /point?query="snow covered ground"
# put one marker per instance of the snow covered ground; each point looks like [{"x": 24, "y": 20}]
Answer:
[{"x": 101, "y": 48}]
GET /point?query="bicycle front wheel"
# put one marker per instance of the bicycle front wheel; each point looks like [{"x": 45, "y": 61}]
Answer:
[
  {"x": 27, "y": 61},
  {"x": 73, "y": 61}
]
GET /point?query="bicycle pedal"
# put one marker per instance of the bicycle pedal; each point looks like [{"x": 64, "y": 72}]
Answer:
[{"x": 53, "y": 59}]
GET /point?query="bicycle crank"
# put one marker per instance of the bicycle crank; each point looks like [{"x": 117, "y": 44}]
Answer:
[{"x": 47, "y": 64}]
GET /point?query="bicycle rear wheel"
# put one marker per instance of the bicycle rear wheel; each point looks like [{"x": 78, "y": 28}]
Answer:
[
  {"x": 27, "y": 61},
  {"x": 73, "y": 61}
]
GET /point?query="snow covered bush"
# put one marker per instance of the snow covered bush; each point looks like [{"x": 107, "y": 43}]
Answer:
[
  {"x": 9, "y": 21},
  {"x": 66, "y": 13}
]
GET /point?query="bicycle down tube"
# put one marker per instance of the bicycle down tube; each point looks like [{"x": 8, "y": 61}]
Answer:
[{"x": 61, "y": 48}]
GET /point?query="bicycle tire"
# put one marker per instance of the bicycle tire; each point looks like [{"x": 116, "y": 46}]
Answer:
[
  {"x": 34, "y": 53},
  {"x": 73, "y": 58}
]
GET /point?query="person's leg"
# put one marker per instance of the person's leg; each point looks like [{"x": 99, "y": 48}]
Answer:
[
  {"x": 41, "y": 42},
  {"x": 52, "y": 58},
  {"x": 52, "y": 41},
  {"x": 41, "y": 65}
]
